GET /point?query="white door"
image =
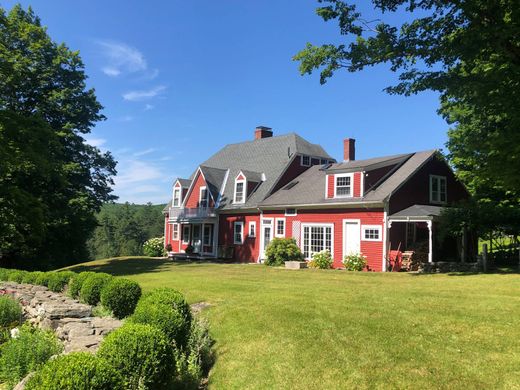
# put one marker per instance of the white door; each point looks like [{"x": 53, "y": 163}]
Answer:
[
  {"x": 196, "y": 238},
  {"x": 351, "y": 237},
  {"x": 266, "y": 235}
]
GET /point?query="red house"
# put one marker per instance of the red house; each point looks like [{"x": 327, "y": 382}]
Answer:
[{"x": 248, "y": 193}]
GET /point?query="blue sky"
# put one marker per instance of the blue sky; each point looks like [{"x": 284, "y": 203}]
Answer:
[{"x": 181, "y": 79}]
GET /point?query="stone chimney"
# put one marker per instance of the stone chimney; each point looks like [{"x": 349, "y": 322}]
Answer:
[
  {"x": 263, "y": 132},
  {"x": 349, "y": 149}
]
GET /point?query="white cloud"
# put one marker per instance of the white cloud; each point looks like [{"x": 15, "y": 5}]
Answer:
[
  {"x": 135, "y": 96},
  {"x": 149, "y": 107},
  {"x": 121, "y": 58},
  {"x": 96, "y": 142},
  {"x": 145, "y": 152}
]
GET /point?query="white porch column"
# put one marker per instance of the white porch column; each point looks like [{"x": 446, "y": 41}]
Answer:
[{"x": 430, "y": 241}]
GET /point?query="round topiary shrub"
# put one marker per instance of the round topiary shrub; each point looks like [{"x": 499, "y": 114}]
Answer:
[
  {"x": 322, "y": 260},
  {"x": 31, "y": 277},
  {"x": 154, "y": 247},
  {"x": 76, "y": 371},
  {"x": 281, "y": 250},
  {"x": 170, "y": 297},
  {"x": 164, "y": 317},
  {"x": 121, "y": 296},
  {"x": 43, "y": 279},
  {"x": 142, "y": 354},
  {"x": 25, "y": 353},
  {"x": 10, "y": 312},
  {"x": 92, "y": 286},
  {"x": 76, "y": 283},
  {"x": 16, "y": 276},
  {"x": 58, "y": 280}
]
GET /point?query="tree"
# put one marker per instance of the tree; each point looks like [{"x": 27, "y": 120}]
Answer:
[
  {"x": 43, "y": 94},
  {"x": 467, "y": 50}
]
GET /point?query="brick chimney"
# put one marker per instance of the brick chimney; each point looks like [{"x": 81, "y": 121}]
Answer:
[
  {"x": 349, "y": 149},
  {"x": 263, "y": 132}
]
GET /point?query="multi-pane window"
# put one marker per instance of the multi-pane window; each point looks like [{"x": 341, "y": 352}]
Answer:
[
  {"x": 290, "y": 212},
  {"x": 438, "y": 189},
  {"x": 344, "y": 185},
  {"x": 252, "y": 229},
  {"x": 177, "y": 197},
  {"x": 371, "y": 233},
  {"x": 238, "y": 232},
  {"x": 280, "y": 227},
  {"x": 207, "y": 237},
  {"x": 316, "y": 239},
  {"x": 203, "y": 197},
  {"x": 186, "y": 234},
  {"x": 239, "y": 192},
  {"x": 306, "y": 161},
  {"x": 175, "y": 232}
]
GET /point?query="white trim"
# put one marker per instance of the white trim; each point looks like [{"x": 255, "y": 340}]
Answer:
[
  {"x": 222, "y": 188},
  {"x": 241, "y": 223},
  {"x": 207, "y": 196},
  {"x": 262, "y": 237},
  {"x": 190, "y": 188},
  {"x": 251, "y": 223},
  {"x": 439, "y": 178},
  {"x": 204, "y": 225},
  {"x": 166, "y": 230},
  {"x": 303, "y": 225},
  {"x": 276, "y": 234},
  {"x": 326, "y": 186},
  {"x": 379, "y": 229},
  {"x": 291, "y": 215},
  {"x": 430, "y": 241},
  {"x": 301, "y": 160},
  {"x": 385, "y": 238},
  {"x": 338, "y": 175},
  {"x": 189, "y": 233},
  {"x": 343, "y": 222},
  {"x": 362, "y": 184},
  {"x": 173, "y": 237},
  {"x": 244, "y": 192}
]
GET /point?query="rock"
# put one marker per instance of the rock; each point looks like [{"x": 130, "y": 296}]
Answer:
[{"x": 23, "y": 382}]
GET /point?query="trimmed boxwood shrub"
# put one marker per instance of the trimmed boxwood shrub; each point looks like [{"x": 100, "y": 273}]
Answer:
[
  {"x": 58, "y": 280},
  {"x": 26, "y": 353},
  {"x": 92, "y": 286},
  {"x": 170, "y": 297},
  {"x": 142, "y": 354},
  {"x": 43, "y": 279},
  {"x": 10, "y": 312},
  {"x": 164, "y": 317},
  {"x": 31, "y": 277},
  {"x": 16, "y": 276},
  {"x": 121, "y": 296},
  {"x": 77, "y": 282},
  {"x": 281, "y": 250},
  {"x": 76, "y": 371}
]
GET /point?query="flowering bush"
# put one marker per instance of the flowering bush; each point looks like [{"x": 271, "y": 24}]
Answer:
[
  {"x": 154, "y": 247},
  {"x": 355, "y": 262},
  {"x": 281, "y": 250},
  {"x": 322, "y": 260}
]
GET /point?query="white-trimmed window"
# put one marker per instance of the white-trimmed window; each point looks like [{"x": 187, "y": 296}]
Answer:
[
  {"x": 280, "y": 227},
  {"x": 186, "y": 234},
  {"x": 203, "y": 197},
  {"x": 438, "y": 189},
  {"x": 240, "y": 191},
  {"x": 316, "y": 238},
  {"x": 371, "y": 233},
  {"x": 175, "y": 231},
  {"x": 252, "y": 229},
  {"x": 291, "y": 212},
  {"x": 306, "y": 160},
  {"x": 207, "y": 236},
  {"x": 176, "y": 197},
  {"x": 343, "y": 184},
  {"x": 238, "y": 233}
]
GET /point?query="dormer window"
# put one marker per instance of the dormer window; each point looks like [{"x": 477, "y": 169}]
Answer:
[
  {"x": 343, "y": 185},
  {"x": 438, "y": 189},
  {"x": 306, "y": 161},
  {"x": 240, "y": 191},
  {"x": 204, "y": 198},
  {"x": 176, "y": 197}
]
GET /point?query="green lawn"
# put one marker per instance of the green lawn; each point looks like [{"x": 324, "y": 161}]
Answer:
[{"x": 310, "y": 329}]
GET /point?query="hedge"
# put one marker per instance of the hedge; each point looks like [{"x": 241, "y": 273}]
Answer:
[
  {"x": 121, "y": 296},
  {"x": 92, "y": 286}
]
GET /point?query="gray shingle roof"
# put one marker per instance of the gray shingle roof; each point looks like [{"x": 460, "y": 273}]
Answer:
[
  {"x": 419, "y": 210},
  {"x": 370, "y": 163},
  {"x": 269, "y": 156},
  {"x": 185, "y": 183},
  {"x": 310, "y": 187},
  {"x": 214, "y": 179},
  {"x": 252, "y": 176}
]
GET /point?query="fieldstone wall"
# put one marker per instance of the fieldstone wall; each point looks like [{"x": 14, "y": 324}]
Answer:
[
  {"x": 71, "y": 320},
  {"x": 448, "y": 266}
]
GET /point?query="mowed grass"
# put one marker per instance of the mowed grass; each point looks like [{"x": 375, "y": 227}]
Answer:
[{"x": 312, "y": 329}]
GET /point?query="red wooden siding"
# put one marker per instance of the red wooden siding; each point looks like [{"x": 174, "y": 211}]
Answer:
[
  {"x": 356, "y": 191},
  {"x": 293, "y": 170},
  {"x": 330, "y": 186},
  {"x": 194, "y": 196},
  {"x": 249, "y": 250},
  {"x": 357, "y": 184},
  {"x": 240, "y": 177}
]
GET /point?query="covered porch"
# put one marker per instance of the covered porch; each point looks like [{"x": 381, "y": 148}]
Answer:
[{"x": 412, "y": 239}]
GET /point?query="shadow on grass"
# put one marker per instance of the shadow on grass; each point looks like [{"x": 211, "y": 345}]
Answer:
[
  {"x": 498, "y": 271},
  {"x": 120, "y": 267}
]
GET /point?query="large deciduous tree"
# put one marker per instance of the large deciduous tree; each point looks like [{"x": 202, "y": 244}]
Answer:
[{"x": 51, "y": 181}]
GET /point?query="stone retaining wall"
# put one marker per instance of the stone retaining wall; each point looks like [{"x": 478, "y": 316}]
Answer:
[
  {"x": 71, "y": 320},
  {"x": 448, "y": 266}
]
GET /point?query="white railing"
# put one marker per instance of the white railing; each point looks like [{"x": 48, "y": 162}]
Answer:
[{"x": 177, "y": 213}]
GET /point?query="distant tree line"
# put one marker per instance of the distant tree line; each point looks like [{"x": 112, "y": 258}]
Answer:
[{"x": 123, "y": 228}]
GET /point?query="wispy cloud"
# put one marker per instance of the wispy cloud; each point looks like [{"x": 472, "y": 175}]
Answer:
[
  {"x": 121, "y": 58},
  {"x": 96, "y": 142},
  {"x": 136, "y": 96},
  {"x": 149, "y": 107},
  {"x": 136, "y": 171},
  {"x": 144, "y": 152}
]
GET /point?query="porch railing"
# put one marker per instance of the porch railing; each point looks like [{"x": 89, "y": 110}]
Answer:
[{"x": 176, "y": 213}]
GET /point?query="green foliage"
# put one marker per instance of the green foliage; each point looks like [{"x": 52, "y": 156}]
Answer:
[
  {"x": 58, "y": 280},
  {"x": 142, "y": 354},
  {"x": 26, "y": 353},
  {"x": 76, "y": 371},
  {"x": 10, "y": 312},
  {"x": 17, "y": 276},
  {"x": 31, "y": 277},
  {"x": 123, "y": 229},
  {"x": 121, "y": 296},
  {"x": 43, "y": 279},
  {"x": 51, "y": 181},
  {"x": 77, "y": 282},
  {"x": 322, "y": 260},
  {"x": 92, "y": 286},
  {"x": 170, "y": 297},
  {"x": 4, "y": 274},
  {"x": 281, "y": 250},
  {"x": 154, "y": 247},
  {"x": 355, "y": 262},
  {"x": 102, "y": 311}
]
